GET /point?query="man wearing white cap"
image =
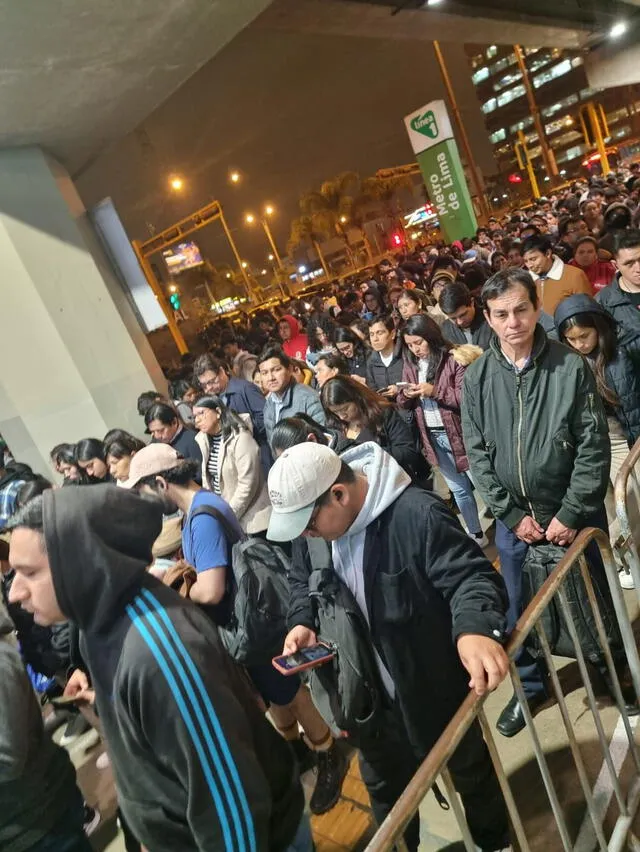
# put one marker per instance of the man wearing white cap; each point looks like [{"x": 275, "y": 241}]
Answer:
[{"x": 419, "y": 581}]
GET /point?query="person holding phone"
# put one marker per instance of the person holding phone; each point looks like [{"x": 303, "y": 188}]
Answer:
[{"x": 384, "y": 365}]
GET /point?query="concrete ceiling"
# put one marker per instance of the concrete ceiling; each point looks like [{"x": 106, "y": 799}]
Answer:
[{"x": 75, "y": 76}]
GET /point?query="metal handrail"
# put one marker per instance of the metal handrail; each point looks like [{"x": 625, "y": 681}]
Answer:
[
  {"x": 626, "y": 545},
  {"x": 435, "y": 764}
]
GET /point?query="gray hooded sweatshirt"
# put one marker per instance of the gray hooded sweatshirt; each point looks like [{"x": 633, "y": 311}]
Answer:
[{"x": 387, "y": 480}]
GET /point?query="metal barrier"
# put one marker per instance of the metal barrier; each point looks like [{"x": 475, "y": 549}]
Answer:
[
  {"x": 436, "y": 763},
  {"x": 625, "y": 546}
]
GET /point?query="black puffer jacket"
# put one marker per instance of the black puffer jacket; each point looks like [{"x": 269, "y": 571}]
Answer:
[
  {"x": 623, "y": 373},
  {"x": 378, "y": 375},
  {"x": 614, "y": 300}
]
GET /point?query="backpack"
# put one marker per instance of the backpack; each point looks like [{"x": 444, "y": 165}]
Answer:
[
  {"x": 347, "y": 690},
  {"x": 259, "y": 591},
  {"x": 540, "y": 561}
]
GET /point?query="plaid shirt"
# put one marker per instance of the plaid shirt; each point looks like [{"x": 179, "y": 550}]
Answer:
[{"x": 8, "y": 497}]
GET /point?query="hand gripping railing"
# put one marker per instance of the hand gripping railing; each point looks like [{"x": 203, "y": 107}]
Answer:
[
  {"x": 436, "y": 763},
  {"x": 626, "y": 486}
]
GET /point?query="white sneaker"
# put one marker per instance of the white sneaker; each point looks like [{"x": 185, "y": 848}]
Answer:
[
  {"x": 626, "y": 580},
  {"x": 481, "y": 540}
]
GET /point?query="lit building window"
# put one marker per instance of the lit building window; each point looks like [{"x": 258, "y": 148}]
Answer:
[
  {"x": 480, "y": 75},
  {"x": 492, "y": 51},
  {"x": 552, "y": 73},
  {"x": 559, "y": 124},
  {"x": 506, "y": 80},
  {"x": 498, "y": 136},
  {"x": 489, "y": 106},
  {"x": 564, "y": 104},
  {"x": 511, "y": 95},
  {"x": 521, "y": 125}
]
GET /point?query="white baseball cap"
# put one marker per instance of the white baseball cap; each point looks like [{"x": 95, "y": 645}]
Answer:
[{"x": 301, "y": 475}]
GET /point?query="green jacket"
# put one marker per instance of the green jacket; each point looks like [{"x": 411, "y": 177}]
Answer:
[{"x": 537, "y": 440}]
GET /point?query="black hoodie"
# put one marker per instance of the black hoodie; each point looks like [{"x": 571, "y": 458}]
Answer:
[{"x": 197, "y": 765}]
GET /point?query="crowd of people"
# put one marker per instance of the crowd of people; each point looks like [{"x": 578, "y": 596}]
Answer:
[{"x": 496, "y": 378}]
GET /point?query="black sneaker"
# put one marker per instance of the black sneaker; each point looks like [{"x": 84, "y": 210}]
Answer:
[
  {"x": 91, "y": 820},
  {"x": 332, "y": 767},
  {"x": 304, "y": 755}
]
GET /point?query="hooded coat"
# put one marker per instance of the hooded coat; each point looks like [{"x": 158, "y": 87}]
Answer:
[
  {"x": 297, "y": 345},
  {"x": 623, "y": 372},
  {"x": 37, "y": 779},
  {"x": 447, "y": 392},
  {"x": 196, "y": 764}
]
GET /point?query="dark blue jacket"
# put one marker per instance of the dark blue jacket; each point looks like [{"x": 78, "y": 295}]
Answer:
[{"x": 244, "y": 397}]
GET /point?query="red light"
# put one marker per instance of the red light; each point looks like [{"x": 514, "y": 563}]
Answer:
[
  {"x": 515, "y": 178},
  {"x": 397, "y": 240}
]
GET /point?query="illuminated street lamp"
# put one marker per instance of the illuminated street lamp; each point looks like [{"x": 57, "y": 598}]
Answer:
[
  {"x": 244, "y": 264},
  {"x": 176, "y": 183},
  {"x": 343, "y": 220},
  {"x": 234, "y": 177},
  {"x": 271, "y": 257},
  {"x": 172, "y": 288},
  {"x": 250, "y": 219},
  {"x": 264, "y": 272}
]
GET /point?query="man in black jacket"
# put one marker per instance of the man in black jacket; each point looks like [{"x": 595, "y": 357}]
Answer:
[
  {"x": 537, "y": 441},
  {"x": 418, "y": 581},
  {"x": 384, "y": 365},
  {"x": 622, "y": 297},
  {"x": 197, "y": 766}
]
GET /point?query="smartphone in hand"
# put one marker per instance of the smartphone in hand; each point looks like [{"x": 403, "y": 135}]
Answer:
[{"x": 305, "y": 658}]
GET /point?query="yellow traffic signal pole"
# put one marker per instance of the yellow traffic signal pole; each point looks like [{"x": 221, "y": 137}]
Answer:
[
  {"x": 593, "y": 122},
  {"x": 174, "y": 234},
  {"x": 524, "y": 161},
  {"x": 548, "y": 157}
]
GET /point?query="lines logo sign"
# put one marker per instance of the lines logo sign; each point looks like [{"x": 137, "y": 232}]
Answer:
[{"x": 426, "y": 124}]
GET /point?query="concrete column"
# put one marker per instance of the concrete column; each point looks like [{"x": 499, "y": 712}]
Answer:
[{"x": 73, "y": 357}]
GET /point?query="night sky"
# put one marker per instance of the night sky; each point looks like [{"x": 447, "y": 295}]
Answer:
[{"x": 288, "y": 111}]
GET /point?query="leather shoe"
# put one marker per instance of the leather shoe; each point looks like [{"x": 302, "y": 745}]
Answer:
[
  {"x": 626, "y": 688},
  {"x": 511, "y": 720}
]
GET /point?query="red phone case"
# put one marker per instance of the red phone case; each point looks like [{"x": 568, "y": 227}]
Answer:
[{"x": 310, "y": 665}]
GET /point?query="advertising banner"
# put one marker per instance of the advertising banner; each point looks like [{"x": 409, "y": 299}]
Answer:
[{"x": 431, "y": 137}]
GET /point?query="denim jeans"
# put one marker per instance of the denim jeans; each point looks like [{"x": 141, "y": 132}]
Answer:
[
  {"x": 303, "y": 841},
  {"x": 67, "y": 835},
  {"x": 459, "y": 483}
]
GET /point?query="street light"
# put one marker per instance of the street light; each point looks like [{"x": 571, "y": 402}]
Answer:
[
  {"x": 264, "y": 272},
  {"x": 234, "y": 177},
  {"x": 343, "y": 219},
  {"x": 244, "y": 264},
  {"x": 250, "y": 219},
  {"x": 176, "y": 183},
  {"x": 172, "y": 288},
  {"x": 271, "y": 257}
]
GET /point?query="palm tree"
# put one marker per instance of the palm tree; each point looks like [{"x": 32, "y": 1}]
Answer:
[
  {"x": 303, "y": 231},
  {"x": 385, "y": 191},
  {"x": 331, "y": 207}
]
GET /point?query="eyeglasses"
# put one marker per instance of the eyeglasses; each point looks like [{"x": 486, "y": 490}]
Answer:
[{"x": 311, "y": 526}]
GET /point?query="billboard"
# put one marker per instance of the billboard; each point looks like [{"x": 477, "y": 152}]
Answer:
[{"x": 182, "y": 256}]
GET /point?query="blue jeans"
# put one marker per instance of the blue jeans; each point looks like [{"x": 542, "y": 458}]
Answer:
[
  {"x": 303, "y": 841},
  {"x": 67, "y": 835},
  {"x": 459, "y": 483}
]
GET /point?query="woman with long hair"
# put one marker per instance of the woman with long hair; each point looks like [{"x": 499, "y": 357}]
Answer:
[
  {"x": 320, "y": 331},
  {"x": 351, "y": 347},
  {"x": 231, "y": 463},
  {"x": 91, "y": 459},
  {"x": 614, "y": 356},
  {"x": 119, "y": 451},
  {"x": 434, "y": 370},
  {"x": 363, "y": 415}
]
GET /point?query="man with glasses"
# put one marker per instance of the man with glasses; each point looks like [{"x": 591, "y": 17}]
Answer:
[
  {"x": 433, "y": 604},
  {"x": 241, "y": 396}
]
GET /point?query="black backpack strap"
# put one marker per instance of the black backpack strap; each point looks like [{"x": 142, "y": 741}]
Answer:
[{"x": 230, "y": 533}]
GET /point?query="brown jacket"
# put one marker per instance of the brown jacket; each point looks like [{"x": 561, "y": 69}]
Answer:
[
  {"x": 242, "y": 481},
  {"x": 447, "y": 392},
  {"x": 551, "y": 291}
]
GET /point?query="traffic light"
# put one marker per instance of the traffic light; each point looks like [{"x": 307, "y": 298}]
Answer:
[
  {"x": 174, "y": 301},
  {"x": 396, "y": 239}
]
